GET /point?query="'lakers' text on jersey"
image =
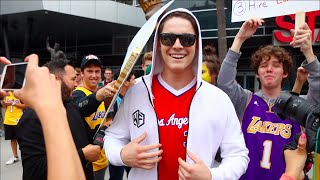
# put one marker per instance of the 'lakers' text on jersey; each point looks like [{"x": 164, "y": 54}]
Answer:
[{"x": 265, "y": 134}]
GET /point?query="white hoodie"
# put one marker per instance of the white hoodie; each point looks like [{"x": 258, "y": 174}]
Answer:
[{"x": 213, "y": 123}]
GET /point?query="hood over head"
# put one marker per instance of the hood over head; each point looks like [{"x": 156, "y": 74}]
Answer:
[{"x": 157, "y": 62}]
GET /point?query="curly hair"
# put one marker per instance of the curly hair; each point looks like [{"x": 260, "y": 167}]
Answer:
[{"x": 265, "y": 52}]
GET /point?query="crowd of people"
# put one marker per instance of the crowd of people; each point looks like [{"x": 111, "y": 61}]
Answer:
[{"x": 186, "y": 118}]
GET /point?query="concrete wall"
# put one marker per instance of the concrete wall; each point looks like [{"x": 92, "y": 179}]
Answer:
[{"x": 104, "y": 10}]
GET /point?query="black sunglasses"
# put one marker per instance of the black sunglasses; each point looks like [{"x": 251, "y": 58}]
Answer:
[{"x": 186, "y": 40}]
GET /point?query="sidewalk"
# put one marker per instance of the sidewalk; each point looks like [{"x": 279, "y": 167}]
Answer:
[{"x": 14, "y": 171}]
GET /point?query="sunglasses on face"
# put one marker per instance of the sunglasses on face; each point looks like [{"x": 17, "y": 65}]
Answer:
[{"x": 186, "y": 40}]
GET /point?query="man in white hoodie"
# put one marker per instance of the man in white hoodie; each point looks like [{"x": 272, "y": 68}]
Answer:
[{"x": 171, "y": 124}]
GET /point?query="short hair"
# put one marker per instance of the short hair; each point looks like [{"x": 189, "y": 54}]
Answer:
[
  {"x": 268, "y": 51},
  {"x": 179, "y": 14},
  {"x": 57, "y": 67},
  {"x": 147, "y": 57},
  {"x": 109, "y": 69},
  {"x": 78, "y": 69},
  {"x": 213, "y": 62}
]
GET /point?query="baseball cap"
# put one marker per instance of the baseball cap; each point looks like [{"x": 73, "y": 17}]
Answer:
[{"x": 90, "y": 58}]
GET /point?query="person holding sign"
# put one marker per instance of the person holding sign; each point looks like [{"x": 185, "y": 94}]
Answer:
[
  {"x": 265, "y": 133},
  {"x": 163, "y": 130}
]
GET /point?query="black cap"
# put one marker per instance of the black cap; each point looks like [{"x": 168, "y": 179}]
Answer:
[{"x": 90, "y": 58}]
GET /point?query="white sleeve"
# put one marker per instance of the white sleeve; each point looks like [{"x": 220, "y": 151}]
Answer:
[
  {"x": 234, "y": 152},
  {"x": 117, "y": 135}
]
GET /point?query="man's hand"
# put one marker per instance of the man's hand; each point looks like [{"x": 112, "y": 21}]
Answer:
[
  {"x": 303, "y": 39},
  {"x": 302, "y": 75},
  {"x": 295, "y": 160},
  {"x": 107, "y": 91},
  {"x": 91, "y": 152},
  {"x": 247, "y": 29},
  {"x": 196, "y": 171},
  {"x": 137, "y": 156},
  {"x": 4, "y": 60},
  {"x": 108, "y": 122},
  {"x": 33, "y": 90}
]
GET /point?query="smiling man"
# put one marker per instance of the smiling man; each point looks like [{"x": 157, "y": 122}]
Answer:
[
  {"x": 90, "y": 100},
  {"x": 171, "y": 124}
]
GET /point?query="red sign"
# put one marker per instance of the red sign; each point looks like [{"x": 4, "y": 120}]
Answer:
[{"x": 283, "y": 35}]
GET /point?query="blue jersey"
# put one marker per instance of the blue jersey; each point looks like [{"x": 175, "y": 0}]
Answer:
[{"x": 265, "y": 134}]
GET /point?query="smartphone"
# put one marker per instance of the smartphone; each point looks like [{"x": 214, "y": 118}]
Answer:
[{"x": 13, "y": 76}]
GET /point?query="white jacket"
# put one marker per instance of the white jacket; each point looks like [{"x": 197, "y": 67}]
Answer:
[{"x": 213, "y": 123}]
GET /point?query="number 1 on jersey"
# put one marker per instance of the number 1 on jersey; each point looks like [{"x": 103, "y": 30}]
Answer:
[{"x": 265, "y": 162}]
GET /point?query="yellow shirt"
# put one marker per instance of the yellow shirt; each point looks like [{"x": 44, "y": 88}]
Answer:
[
  {"x": 13, "y": 113},
  {"x": 93, "y": 120}
]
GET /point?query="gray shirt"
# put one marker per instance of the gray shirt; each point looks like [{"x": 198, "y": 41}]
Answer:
[{"x": 240, "y": 97}]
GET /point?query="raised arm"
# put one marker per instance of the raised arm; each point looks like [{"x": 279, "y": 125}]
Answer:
[
  {"x": 227, "y": 75},
  {"x": 48, "y": 45},
  {"x": 302, "y": 38}
]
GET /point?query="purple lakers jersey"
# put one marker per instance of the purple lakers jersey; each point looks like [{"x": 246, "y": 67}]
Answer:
[{"x": 265, "y": 134}]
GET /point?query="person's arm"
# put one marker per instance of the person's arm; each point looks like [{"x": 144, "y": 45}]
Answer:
[
  {"x": 5, "y": 103},
  {"x": 228, "y": 71},
  {"x": 117, "y": 135},
  {"x": 89, "y": 104},
  {"x": 120, "y": 151},
  {"x": 90, "y": 152},
  {"x": 233, "y": 148},
  {"x": 86, "y": 104},
  {"x": 63, "y": 161},
  {"x": 301, "y": 78},
  {"x": 48, "y": 45},
  {"x": 303, "y": 39}
]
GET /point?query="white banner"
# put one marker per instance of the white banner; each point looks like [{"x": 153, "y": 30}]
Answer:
[{"x": 246, "y": 9}]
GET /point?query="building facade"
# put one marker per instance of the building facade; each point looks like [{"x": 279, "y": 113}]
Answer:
[{"x": 105, "y": 28}]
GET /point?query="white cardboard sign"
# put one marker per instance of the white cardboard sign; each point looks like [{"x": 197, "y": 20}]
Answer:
[{"x": 243, "y": 10}]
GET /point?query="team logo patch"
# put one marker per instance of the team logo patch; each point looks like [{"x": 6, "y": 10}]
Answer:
[{"x": 138, "y": 118}]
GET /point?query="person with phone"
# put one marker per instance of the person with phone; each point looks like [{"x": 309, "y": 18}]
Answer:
[
  {"x": 30, "y": 133},
  {"x": 14, "y": 110},
  {"x": 63, "y": 158}
]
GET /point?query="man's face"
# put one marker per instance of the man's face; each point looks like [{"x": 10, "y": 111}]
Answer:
[
  {"x": 91, "y": 76},
  {"x": 145, "y": 65},
  {"x": 108, "y": 75},
  {"x": 68, "y": 82},
  {"x": 177, "y": 58},
  {"x": 270, "y": 73}
]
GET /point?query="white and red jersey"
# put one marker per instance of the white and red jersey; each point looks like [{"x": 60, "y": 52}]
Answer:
[{"x": 172, "y": 109}]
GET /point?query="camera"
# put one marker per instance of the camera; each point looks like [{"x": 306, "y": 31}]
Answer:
[{"x": 290, "y": 106}]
